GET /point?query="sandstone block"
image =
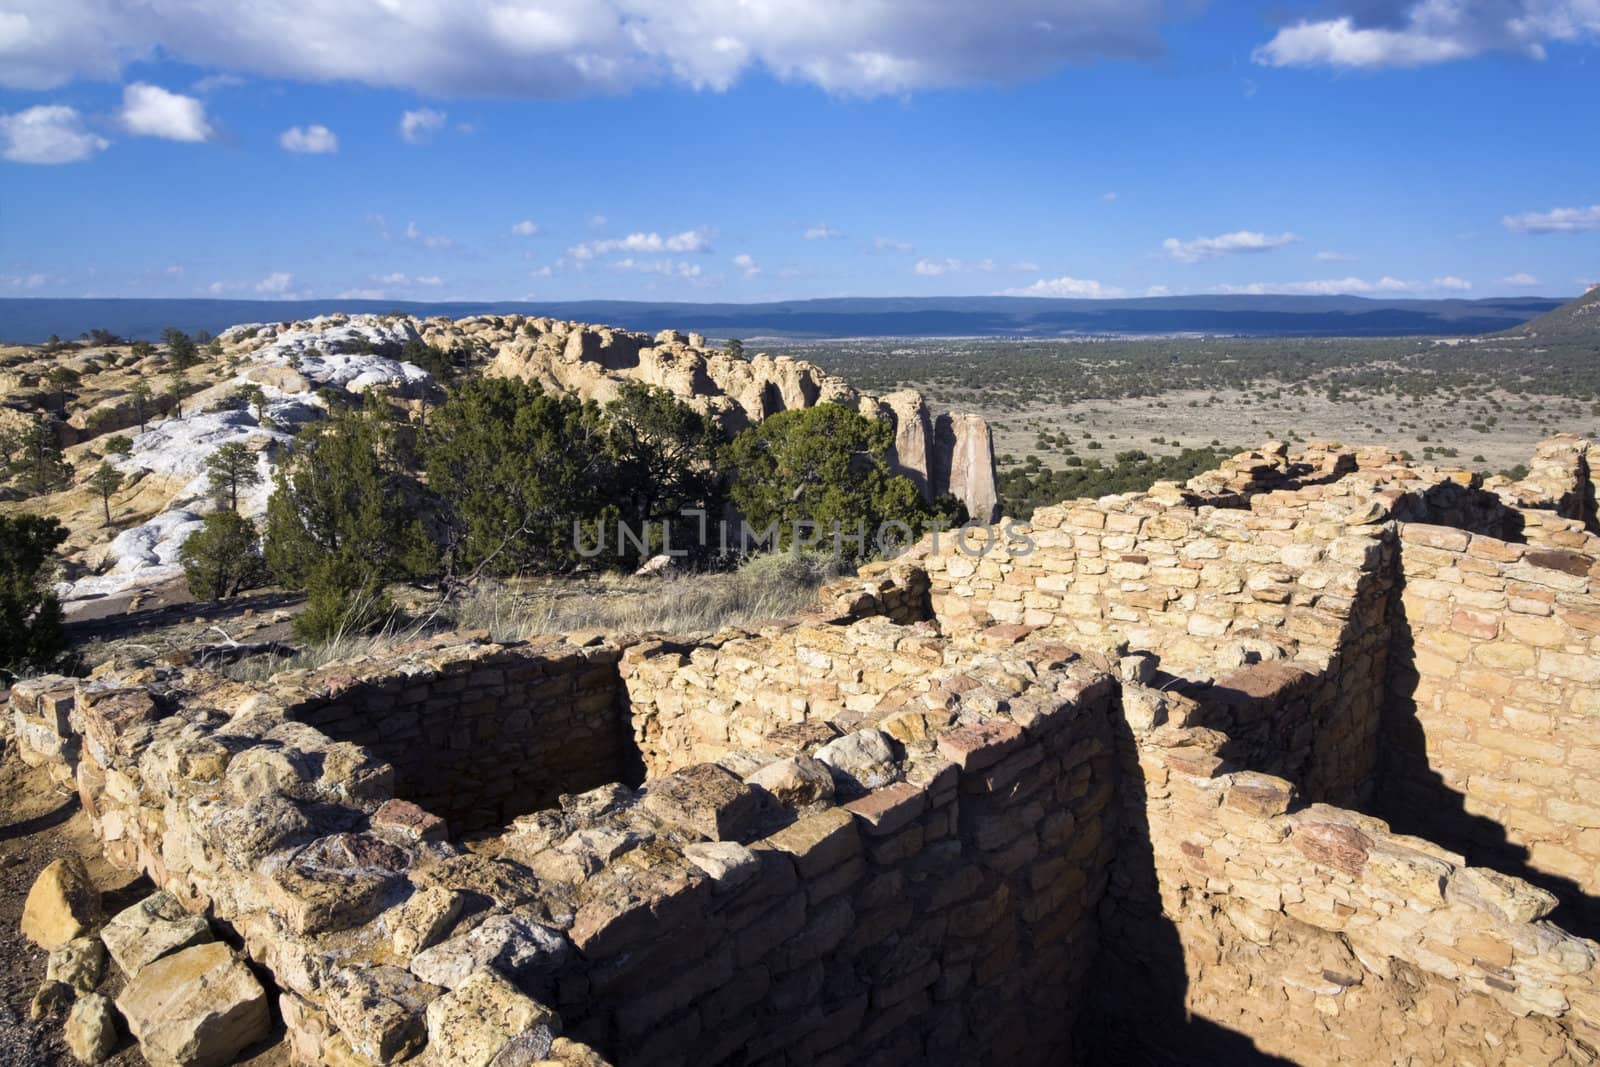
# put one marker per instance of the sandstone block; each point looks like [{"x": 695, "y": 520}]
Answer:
[
  {"x": 861, "y": 761},
  {"x": 199, "y": 1007},
  {"x": 981, "y": 745},
  {"x": 510, "y": 944},
  {"x": 486, "y": 1021},
  {"x": 795, "y": 782},
  {"x": 424, "y": 918},
  {"x": 727, "y": 864},
  {"x": 62, "y": 905},
  {"x": 706, "y": 798},
  {"x": 91, "y": 1030},
  {"x": 79, "y": 963},
  {"x": 156, "y": 926},
  {"x": 883, "y": 811},
  {"x": 819, "y": 842}
]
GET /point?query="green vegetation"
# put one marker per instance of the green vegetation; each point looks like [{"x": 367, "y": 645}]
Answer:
[
  {"x": 33, "y": 458},
  {"x": 223, "y": 557},
  {"x": 106, "y": 480},
  {"x": 230, "y": 468},
  {"x": 341, "y": 520},
  {"x": 825, "y": 465},
  {"x": 514, "y": 467},
  {"x": 30, "y": 614},
  {"x": 1032, "y": 485}
]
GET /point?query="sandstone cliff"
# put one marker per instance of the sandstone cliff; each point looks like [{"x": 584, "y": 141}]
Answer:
[{"x": 948, "y": 454}]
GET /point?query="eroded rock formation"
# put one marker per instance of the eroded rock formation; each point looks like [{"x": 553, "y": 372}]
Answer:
[{"x": 952, "y": 454}]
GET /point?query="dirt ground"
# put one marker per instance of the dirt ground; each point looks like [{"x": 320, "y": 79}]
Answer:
[
  {"x": 40, "y": 823},
  {"x": 1191, "y": 419}
]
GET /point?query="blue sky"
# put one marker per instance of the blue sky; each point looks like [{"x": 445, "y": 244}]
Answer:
[{"x": 722, "y": 150}]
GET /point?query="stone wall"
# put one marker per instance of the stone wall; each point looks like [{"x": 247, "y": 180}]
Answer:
[
  {"x": 1494, "y": 691},
  {"x": 1259, "y": 929},
  {"x": 550, "y": 713},
  {"x": 937, "y": 910}
]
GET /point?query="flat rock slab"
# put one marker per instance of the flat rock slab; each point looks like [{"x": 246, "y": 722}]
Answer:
[
  {"x": 508, "y": 943},
  {"x": 157, "y": 926},
  {"x": 199, "y": 1007}
]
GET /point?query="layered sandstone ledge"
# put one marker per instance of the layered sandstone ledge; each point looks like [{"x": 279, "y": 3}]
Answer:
[{"x": 1076, "y": 803}]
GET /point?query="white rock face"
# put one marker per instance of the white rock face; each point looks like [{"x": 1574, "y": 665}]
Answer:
[{"x": 288, "y": 367}]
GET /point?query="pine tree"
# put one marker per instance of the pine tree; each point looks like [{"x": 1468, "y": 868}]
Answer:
[
  {"x": 30, "y": 614},
  {"x": 223, "y": 557},
  {"x": 106, "y": 480},
  {"x": 38, "y": 466},
  {"x": 230, "y": 468}
]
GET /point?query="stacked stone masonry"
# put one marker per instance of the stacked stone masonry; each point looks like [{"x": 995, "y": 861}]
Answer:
[{"x": 1105, "y": 792}]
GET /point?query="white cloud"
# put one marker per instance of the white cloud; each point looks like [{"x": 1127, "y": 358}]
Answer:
[
  {"x": 822, "y": 233},
  {"x": 1334, "y": 257},
  {"x": 889, "y": 244},
  {"x": 363, "y": 294},
  {"x": 1559, "y": 220},
  {"x": 747, "y": 263},
  {"x": 151, "y": 111},
  {"x": 1066, "y": 286},
  {"x": 406, "y": 281},
  {"x": 933, "y": 268},
  {"x": 417, "y": 127},
  {"x": 1025, "y": 266},
  {"x": 525, "y": 228},
  {"x": 1158, "y": 290},
  {"x": 25, "y": 281},
  {"x": 50, "y": 133},
  {"x": 275, "y": 284},
  {"x": 1227, "y": 244},
  {"x": 1423, "y": 32},
  {"x": 1520, "y": 279},
  {"x": 687, "y": 241},
  {"x": 1348, "y": 287},
  {"x": 557, "y": 48},
  {"x": 213, "y": 82},
  {"x": 427, "y": 240},
  {"x": 310, "y": 140},
  {"x": 671, "y": 267}
]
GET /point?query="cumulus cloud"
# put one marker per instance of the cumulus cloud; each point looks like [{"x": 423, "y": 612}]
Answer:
[
  {"x": 1228, "y": 244},
  {"x": 309, "y": 140},
  {"x": 1451, "y": 282},
  {"x": 1519, "y": 279},
  {"x": 889, "y": 244},
  {"x": 51, "y": 133},
  {"x": 553, "y": 48},
  {"x": 151, "y": 111},
  {"x": 1066, "y": 286},
  {"x": 417, "y": 127},
  {"x": 1418, "y": 33},
  {"x": 275, "y": 284},
  {"x": 1559, "y": 220},
  {"x": 687, "y": 241},
  {"x": 405, "y": 281},
  {"x": 1334, "y": 257},
  {"x": 822, "y": 233},
  {"x": 747, "y": 263},
  {"x": 525, "y": 228}
]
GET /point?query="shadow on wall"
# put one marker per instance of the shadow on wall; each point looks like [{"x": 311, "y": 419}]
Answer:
[
  {"x": 1138, "y": 1012},
  {"x": 1415, "y": 799}
]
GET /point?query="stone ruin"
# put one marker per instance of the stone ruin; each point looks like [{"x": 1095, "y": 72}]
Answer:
[{"x": 1290, "y": 763}]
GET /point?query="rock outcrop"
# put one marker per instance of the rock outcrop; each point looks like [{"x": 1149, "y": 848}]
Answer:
[{"x": 593, "y": 361}]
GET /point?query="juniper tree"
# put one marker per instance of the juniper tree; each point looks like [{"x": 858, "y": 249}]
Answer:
[
  {"x": 223, "y": 557},
  {"x": 142, "y": 399},
  {"x": 30, "y": 614}
]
